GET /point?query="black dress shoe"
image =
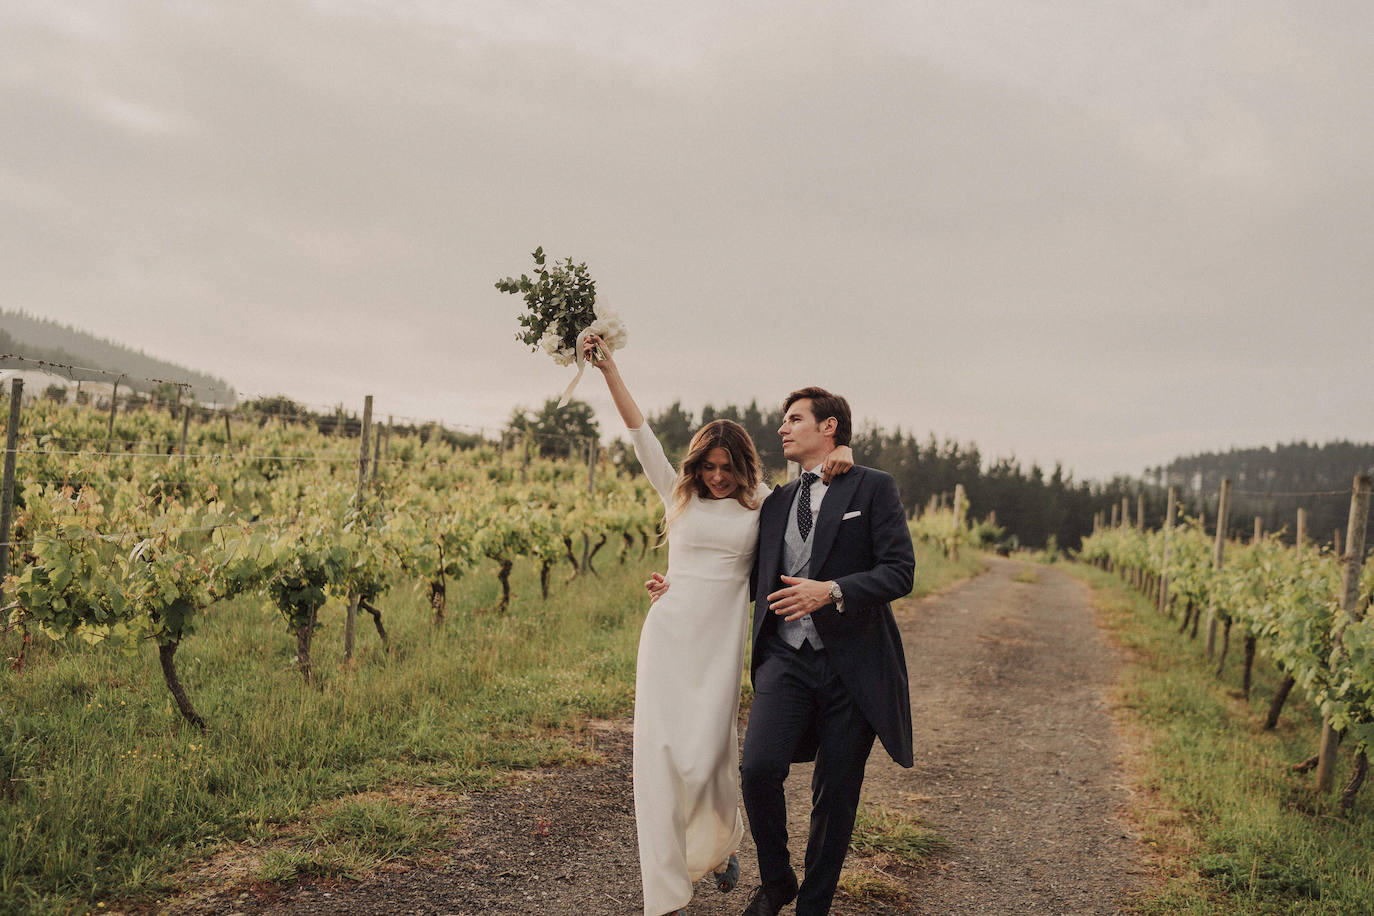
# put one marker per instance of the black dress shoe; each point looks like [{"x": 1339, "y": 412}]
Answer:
[{"x": 772, "y": 897}]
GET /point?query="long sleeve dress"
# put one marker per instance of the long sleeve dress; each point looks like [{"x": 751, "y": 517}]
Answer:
[{"x": 687, "y": 686}]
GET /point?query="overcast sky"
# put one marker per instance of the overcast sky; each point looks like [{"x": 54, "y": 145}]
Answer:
[{"x": 1102, "y": 233}]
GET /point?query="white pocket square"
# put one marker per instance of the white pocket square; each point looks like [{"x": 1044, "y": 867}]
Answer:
[{"x": 848, "y": 515}]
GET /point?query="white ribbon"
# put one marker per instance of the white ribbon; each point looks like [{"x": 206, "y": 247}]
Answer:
[
  {"x": 606, "y": 350},
  {"x": 567, "y": 392}
]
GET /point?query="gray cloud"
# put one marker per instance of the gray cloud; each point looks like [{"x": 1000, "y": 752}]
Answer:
[{"x": 1080, "y": 232}]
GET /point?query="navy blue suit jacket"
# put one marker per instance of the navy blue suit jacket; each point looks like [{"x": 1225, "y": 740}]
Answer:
[{"x": 869, "y": 554}]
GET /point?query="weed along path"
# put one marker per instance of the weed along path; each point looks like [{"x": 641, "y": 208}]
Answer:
[{"x": 1015, "y": 804}]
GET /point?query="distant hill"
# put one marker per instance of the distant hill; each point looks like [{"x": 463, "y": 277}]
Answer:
[
  {"x": 22, "y": 334},
  {"x": 1272, "y": 483}
]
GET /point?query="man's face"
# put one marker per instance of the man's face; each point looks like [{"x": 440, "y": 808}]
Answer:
[{"x": 802, "y": 437}]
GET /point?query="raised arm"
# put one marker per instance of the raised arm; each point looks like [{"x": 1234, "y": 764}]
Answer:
[
  {"x": 629, "y": 410},
  {"x": 648, "y": 449}
]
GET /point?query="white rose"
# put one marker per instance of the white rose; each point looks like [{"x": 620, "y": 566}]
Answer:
[{"x": 611, "y": 331}]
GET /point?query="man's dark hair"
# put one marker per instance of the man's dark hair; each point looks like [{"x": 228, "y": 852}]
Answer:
[{"x": 823, "y": 406}]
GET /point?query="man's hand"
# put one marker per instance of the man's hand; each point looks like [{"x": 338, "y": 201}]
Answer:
[
  {"x": 800, "y": 598},
  {"x": 657, "y": 587}
]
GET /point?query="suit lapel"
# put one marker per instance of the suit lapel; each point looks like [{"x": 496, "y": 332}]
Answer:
[{"x": 833, "y": 507}]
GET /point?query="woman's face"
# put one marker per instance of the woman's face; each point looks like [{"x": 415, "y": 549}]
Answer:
[{"x": 719, "y": 474}]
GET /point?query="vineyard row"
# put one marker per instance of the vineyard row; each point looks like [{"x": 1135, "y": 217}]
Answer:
[{"x": 1304, "y": 608}]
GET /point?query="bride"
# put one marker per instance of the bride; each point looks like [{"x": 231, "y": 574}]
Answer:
[{"x": 691, "y": 652}]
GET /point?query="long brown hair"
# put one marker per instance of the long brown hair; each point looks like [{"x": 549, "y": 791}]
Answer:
[{"x": 744, "y": 464}]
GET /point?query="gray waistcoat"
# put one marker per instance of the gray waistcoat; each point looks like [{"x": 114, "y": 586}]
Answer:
[{"x": 796, "y": 561}]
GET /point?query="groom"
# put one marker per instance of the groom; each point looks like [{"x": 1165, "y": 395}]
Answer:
[{"x": 827, "y": 664}]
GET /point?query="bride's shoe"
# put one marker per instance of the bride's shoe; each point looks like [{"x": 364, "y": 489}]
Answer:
[{"x": 728, "y": 877}]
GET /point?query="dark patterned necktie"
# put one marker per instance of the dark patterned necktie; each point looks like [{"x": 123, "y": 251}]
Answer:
[{"x": 804, "y": 504}]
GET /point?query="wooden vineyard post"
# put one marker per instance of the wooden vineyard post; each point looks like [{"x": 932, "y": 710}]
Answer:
[
  {"x": 376, "y": 453},
  {"x": 1218, "y": 553},
  {"x": 7, "y": 501},
  {"x": 524, "y": 456},
  {"x": 1115, "y": 509},
  {"x": 1301, "y": 538},
  {"x": 1170, "y": 516},
  {"x": 957, "y": 535},
  {"x": 586, "y": 563},
  {"x": 592, "y": 449},
  {"x": 1251, "y": 640},
  {"x": 1353, "y": 561},
  {"x": 114, "y": 400},
  {"x": 1336, "y": 540},
  {"x": 362, "y": 449},
  {"x": 354, "y": 599},
  {"x": 228, "y": 433},
  {"x": 185, "y": 428},
  {"x": 1138, "y": 576},
  {"x": 1125, "y": 512}
]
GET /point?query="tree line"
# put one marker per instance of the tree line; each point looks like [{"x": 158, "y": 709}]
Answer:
[
  {"x": 1036, "y": 507},
  {"x": 1272, "y": 484},
  {"x": 1040, "y": 507}
]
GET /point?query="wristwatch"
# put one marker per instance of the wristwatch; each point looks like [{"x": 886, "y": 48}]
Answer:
[{"x": 836, "y": 596}]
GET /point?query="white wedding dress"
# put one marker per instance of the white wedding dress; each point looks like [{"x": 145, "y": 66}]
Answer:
[{"x": 687, "y": 687}]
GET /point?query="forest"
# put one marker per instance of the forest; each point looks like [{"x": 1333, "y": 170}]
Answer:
[{"x": 1046, "y": 507}]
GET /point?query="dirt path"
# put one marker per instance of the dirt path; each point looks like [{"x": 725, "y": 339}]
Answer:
[
  {"x": 1016, "y": 755},
  {"x": 1016, "y": 766}
]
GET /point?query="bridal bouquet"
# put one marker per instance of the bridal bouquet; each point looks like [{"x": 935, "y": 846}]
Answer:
[{"x": 561, "y": 312}]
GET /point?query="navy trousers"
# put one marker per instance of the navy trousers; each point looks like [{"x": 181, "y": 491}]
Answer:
[{"x": 796, "y": 691}]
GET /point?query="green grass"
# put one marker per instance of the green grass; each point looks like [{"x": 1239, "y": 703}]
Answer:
[
  {"x": 385, "y": 829},
  {"x": 895, "y": 833},
  {"x": 864, "y": 886},
  {"x": 1235, "y": 830},
  {"x": 883, "y": 837},
  {"x": 934, "y": 571},
  {"x": 353, "y": 839},
  {"x": 105, "y": 792}
]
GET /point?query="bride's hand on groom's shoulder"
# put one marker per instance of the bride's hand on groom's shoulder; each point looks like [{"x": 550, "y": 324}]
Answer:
[
  {"x": 656, "y": 586},
  {"x": 840, "y": 461}
]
